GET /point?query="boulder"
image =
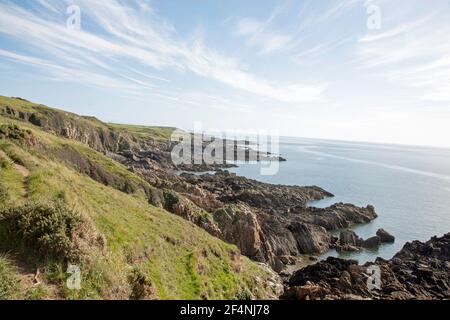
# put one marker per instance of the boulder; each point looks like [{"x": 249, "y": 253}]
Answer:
[
  {"x": 349, "y": 238},
  {"x": 372, "y": 243},
  {"x": 310, "y": 238},
  {"x": 385, "y": 236}
]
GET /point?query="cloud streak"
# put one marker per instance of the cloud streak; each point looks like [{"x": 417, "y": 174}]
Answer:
[
  {"x": 127, "y": 35},
  {"x": 412, "y": 55}
]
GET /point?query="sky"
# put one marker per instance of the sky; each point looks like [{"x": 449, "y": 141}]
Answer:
[{"x": 376, "y": 70}]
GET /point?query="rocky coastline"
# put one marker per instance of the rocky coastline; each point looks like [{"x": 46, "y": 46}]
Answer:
[
  {"x": 270, "y": 224},
  {"x": 420, "y": 271}
]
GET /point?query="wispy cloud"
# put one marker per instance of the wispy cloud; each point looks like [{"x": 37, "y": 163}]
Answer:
[
  {"x": 269, "y": 39},
  {"x": 260, "y": 34},
  {"x": 266, "y": 41},
  {"x": 338, "y": 8},
  {"x": 312, "y": 53},
  {"x": 128, "y": 33},
  {"x": 399, "y": 30},
  {"x": 412, "y": 55}
]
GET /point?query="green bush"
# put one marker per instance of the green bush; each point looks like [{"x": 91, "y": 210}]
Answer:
[
  {"x": 48, "y": 229},
  {"x": 13, "y": 132},
  {"x": 141, "y": 285},
  {"x": 170, "y": 199}
]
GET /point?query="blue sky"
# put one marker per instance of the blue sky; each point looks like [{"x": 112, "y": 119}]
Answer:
[{"x": 304, "y": 68}]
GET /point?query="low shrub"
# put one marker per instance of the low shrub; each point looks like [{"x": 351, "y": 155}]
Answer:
[
  {"x": 141, "y": 285},
  {"x": 9, "y": 131},
  {"x": 51, "y": 230},
  {"x": 171, "y": 199}
]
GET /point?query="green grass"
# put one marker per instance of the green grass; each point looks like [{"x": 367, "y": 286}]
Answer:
[
  {"x": 151, "y": 132},
  {"x": 39, "y": 292},
  {"x": 178, "y": 259},
  {"x": 18, "y": 104},
  {"x": 11, "y": 181},
  {"x": 8, "y": 280}
]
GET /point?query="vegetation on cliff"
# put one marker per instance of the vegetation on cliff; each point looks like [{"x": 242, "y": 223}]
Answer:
[{"x": 63, "y": 201}]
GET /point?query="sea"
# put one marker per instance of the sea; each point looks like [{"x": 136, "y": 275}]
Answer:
[{"x": 409, "y": 186}]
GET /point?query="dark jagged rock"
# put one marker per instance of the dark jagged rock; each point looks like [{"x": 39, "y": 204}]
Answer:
[
  {"x": 385, "y": 236},
  {"x": 350, "y": 241},
  {"x": 341, "y": 215},
  {"x": 349, "y": 238},
  {"x": 418, "y": 271},
  {"x": 280, "y": 216},
  {"x": 372, "y": 242}
]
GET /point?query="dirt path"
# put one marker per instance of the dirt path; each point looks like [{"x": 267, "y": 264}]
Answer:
[
  {"x": 22, "y": 170},
  {"x": 25, "y": 174},
  {"x": 30, "y": 278}
]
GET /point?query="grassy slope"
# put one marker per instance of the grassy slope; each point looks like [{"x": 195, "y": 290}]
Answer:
[
  {"x": 157, "y": 133},
  {"x": 180, "y": 260}
]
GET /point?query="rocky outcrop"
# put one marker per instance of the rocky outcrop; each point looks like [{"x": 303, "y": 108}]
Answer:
[
  {"x": 385, "y": 236},
  {"x": 372, "y": 242},
  {"x": 239, "y": 225},
  {"x": 418, "y": 271},
  {"x": 229, "y": 188},
  {"x": 90, "y": 131},
  {"x": 350, "y": 241},
  {"x": 269, "y": 222},
  {"x": 349, "y": 237},
  {"x": 339, "y": 215},
  {"x": 311, "y": 239}
]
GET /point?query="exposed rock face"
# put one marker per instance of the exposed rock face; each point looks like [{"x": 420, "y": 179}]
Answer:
[
  {"x": 240, "y": 226},
  {"x": 418, "y": 271},
  {"x": 385, "y": 236},
  {"x": 310, "y": 238},
  {"x": 274, "y": 221}
]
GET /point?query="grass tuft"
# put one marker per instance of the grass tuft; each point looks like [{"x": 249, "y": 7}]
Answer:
[{"x": 8, "y": 281}]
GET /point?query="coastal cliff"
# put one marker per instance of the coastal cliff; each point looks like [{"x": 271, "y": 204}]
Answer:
[
  {"x": 170, "y": 234},
  {"x": 268, "y": 223}
]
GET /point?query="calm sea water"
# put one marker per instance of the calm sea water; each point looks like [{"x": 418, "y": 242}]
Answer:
[{"x": 409, "y": 186}]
